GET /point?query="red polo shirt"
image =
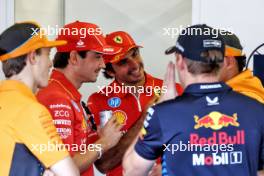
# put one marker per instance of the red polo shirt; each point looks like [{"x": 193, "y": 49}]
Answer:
[
  {"x": 64, "y": 103},
  {"x": 124, "y": 105}
]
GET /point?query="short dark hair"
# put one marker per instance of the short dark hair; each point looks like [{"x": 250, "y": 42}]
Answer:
[
  {"x": 214, "y": 61},
  {"x": 61, "y": 58},
  {"x": 21, "y": 31},
  {"x": 14, "y": 66}
]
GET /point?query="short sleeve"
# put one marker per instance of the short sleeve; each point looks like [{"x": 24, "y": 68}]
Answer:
[{"x": 150, "y": 147}]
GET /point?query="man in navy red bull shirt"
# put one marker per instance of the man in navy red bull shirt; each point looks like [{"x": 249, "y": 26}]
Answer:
[{"x": 209, "y": 130}]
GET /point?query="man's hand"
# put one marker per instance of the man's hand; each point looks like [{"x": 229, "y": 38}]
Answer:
[
  {"x": 113, "y": 157},
  {"x": 110, "y": 134},
  {"x": 169, "y": 82}
]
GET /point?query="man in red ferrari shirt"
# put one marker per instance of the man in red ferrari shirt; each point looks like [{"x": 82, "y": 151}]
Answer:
[
  {"x": 77, "y": 62},
  {"x": 132, "y": 91}
]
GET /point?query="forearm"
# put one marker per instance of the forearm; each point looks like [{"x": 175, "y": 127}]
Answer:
[
  {"x": 126, "y": 163},
  {"x": 133, "y": 164},
  {"x": 85, "y": 160},
  {"x": 113, "y": 157},
  {"x": 65, "y": 167}
]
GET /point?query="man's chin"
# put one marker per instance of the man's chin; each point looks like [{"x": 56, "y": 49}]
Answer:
[
  {"x": 140, "y": 77},
  {"x": 92, "y": 80},
  {"x": 137, "y": 80}
]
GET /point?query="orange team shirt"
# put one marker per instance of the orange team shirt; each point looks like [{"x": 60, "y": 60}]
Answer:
[
  {"x": 64, "y": 103},
  {"x": 26, "y": 125},
  {"x": 126, "y": 107}
]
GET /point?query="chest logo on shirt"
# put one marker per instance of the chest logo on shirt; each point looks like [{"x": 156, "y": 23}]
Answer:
[
  {"x": 120, "y": 116},
  {"x": 215, "y": 120},
  {"x": 212, "y": 102},
  {"x": 208, "y": 152},
  {"x": 114, "y": 102}
]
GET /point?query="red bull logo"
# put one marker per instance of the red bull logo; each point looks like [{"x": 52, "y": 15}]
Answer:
[
  {"x": 219, "y": 138},
  {"x": 215, "y": 120}
]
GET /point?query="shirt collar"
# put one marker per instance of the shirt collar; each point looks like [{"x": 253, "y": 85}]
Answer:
[
  {"x": 149, "y": 82},
  {"x": 60, "y": 78},
  {"x": 206, "y": 87},
  {"x": 14, "y": 85}
]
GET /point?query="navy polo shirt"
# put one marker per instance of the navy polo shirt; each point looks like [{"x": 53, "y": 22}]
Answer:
[{"x": 210, "y": 130}]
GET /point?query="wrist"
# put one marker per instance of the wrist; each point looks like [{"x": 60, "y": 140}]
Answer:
[{"x": 103, "y": 143}]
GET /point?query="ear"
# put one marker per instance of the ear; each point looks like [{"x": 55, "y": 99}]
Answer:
[
  {"x": 73, "y": 60},
  {"x": 180, "y": 63},
  {"x": 228, "y": 62},
  {"x": 31, "y": 58}
]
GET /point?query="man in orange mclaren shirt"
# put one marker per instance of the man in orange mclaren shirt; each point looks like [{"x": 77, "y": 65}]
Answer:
[
  {"x": 233, "y": 73},
  {"x": 234, "y": 63},
  {"x": 78, "y": 62},
  {"x": 131, "y": 92},
  {"x": 26, "y": 126}
]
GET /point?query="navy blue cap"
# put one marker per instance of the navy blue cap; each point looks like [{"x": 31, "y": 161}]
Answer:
[{"x": 196, "y": 39}]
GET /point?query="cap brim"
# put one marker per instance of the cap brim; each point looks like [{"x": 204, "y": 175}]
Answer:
[
  {"x": 124, "y": 51},
  {"x": 133, "y": 46},
  {"x": 55, "y": 43},
  {"x": 128, "y": 48},
  {"x": 170, "y": 50},
  {"x": 107, "y": 50},
  {"x": 114, "y": 58},
  {"x": 32, "y": 44}
]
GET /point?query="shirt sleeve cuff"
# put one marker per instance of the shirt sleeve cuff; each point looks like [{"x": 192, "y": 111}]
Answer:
[{"x": 144, "y": 151}]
